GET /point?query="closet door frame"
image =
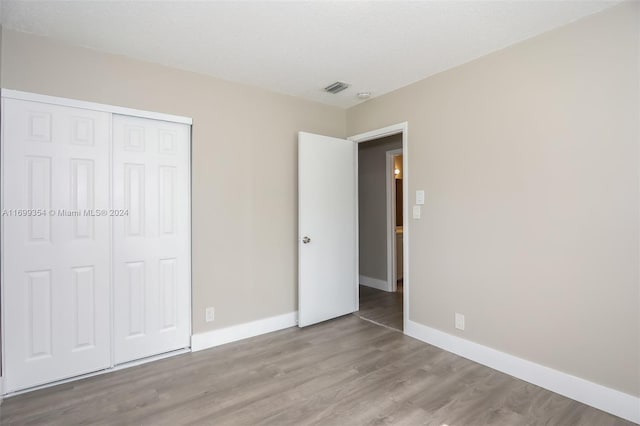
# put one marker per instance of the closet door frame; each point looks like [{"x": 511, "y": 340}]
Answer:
[
  {"x": 46, "y": 99},
  {"x": 111, "y": 109}
]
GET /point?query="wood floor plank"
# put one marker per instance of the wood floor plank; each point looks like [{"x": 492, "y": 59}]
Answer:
[
  {"x": 341, "y": 372},
  {"x": 382, "y": 307}
]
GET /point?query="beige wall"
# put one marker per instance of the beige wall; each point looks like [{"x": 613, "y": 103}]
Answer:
[
  {"x": 372, "y": 205},
  {"x": 244, "y": 165},
  {"x": 529, "y": 161}
]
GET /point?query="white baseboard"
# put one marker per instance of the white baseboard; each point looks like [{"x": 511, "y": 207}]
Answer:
[
  {"x": 234, "y": 333},
  {"x": 598, "y": 396},
  {"x": 374, "y": 282}
]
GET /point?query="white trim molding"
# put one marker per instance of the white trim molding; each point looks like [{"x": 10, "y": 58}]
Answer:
[
  {"x": 234, "y": 333},
  {"x": 374, "y": 283},
  {"x": 598, "y": 396},
  {"x": 392, "y": 250},
  {"x": 93, "y": 106},
  {"x": 394, "y": 129}
]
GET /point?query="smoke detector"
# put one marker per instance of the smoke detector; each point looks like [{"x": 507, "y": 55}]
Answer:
[
  {"x": 336, "y": 87},
  {"x": 364, "y": 95}
]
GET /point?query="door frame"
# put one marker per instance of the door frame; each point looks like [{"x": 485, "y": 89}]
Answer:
[
  {"x": 394, "y": 129},
  {"x": 392, "y": 273}
]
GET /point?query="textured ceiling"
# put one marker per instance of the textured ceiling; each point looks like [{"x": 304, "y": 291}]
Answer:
[{"x": 299, "y": 47}]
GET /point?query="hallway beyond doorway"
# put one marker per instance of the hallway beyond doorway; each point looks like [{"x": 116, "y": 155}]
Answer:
[{"x": 381, "y": 307}]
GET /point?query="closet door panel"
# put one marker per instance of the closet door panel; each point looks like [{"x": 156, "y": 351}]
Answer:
[
  {"x": 151, "y": 248},
  {"x": 56, "y": 265}
]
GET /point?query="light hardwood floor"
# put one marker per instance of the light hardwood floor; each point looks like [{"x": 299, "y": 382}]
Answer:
[
  {"x": 381, "y": 306},
  {"x": 342, "y": 372}
]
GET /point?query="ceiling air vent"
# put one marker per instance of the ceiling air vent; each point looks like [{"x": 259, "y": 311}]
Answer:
[{"x": 336, "y": 87}]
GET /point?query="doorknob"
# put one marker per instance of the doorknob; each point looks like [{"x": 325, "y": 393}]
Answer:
[{"x": 306, "y": 240}]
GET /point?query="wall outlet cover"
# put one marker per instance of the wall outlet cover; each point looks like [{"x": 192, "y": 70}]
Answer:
[
  {"x": 210, "y": 314},
  {"x": 459, "y": 321}
]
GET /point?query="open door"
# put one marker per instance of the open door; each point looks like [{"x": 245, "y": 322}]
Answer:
[{"x": 327, "y": 233}]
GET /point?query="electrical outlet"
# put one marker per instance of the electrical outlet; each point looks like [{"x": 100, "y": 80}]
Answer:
[
  {"x": 459, "y": 321},
  {"x": 210, "y": 314}
]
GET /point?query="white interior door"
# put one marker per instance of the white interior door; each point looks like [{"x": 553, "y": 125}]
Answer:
[
  {"x": 151, "y": 241},
  {"x": 327, "y": 208},
  {"x": 55, "y": 254}
]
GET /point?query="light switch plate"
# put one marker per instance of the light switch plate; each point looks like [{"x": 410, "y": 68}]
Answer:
[
  {"x": 420, "y": 197},
  {"x": 417, "y": 212}
]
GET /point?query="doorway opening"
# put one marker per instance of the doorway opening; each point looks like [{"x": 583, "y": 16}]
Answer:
[{"x": 381, "y": 226}]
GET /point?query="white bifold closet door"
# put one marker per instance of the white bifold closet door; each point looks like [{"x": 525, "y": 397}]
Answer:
[
  {"x": 151, "y": 244},
  {"x": 56, "y": 267}
]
